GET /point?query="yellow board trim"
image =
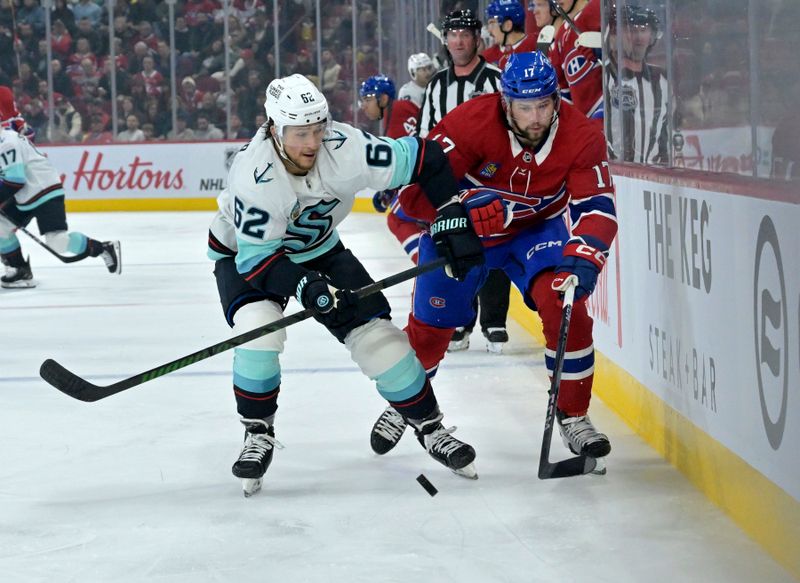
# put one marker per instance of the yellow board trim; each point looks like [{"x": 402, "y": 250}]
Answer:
[
  {"x": 167, "y": 204},
  {"x": 763, "y": 510}
]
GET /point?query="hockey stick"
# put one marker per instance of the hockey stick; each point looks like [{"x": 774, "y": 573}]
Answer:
[
  {"x": 589, "y": 39},
  {"x": 581, "y": 464},
  {"x": 81, "y": 389},
  {"x": 431, "y": 28},
  {"x": 63, "y": 258}
]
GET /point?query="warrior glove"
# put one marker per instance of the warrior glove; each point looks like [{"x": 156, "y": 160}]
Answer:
[{"x": 456, "y": 240}]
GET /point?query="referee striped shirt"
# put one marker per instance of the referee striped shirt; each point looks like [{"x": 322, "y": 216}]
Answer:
[
  {"x": 637, "y": 113},
  {"x": 446, "y": 91}
]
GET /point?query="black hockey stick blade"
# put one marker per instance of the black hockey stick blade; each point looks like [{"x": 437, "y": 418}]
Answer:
[
  {"x": 581, "y": 464},
  {"x": 78, "y": 388}
]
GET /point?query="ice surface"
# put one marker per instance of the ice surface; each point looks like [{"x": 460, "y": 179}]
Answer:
[{"x": 138, "y": 487}]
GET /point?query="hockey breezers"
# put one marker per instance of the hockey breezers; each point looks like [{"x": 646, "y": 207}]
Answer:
[
  {"x": 81, "y": 389},
  {"x": 581, "y": 464},
  {"x": 63, "y": 258}
]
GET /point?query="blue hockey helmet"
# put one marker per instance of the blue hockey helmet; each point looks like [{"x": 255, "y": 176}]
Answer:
[
  {"x": 377, "y": 85},
  {"x": 506, "y": 9},
  {"x": 528, "y": 76}
]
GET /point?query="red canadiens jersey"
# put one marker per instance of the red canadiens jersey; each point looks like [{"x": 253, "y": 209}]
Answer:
[
  {"x": 400, "y": 119},
  {"x": 498, "y": 56},
  {"x": 569, "y": 168},
  {"x": 579, "y": 69}
]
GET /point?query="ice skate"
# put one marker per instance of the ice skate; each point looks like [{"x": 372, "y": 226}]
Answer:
[
  {"x": 18, "y": 277},
  {"x": 581, "y": 437},
  {"x": 256, "y": 455},
  {"x": 495, "y": 339},
  {"x": 459, "y": 341},
  {"x": 387, "y": 431},
  {"x": 112, "y": 255},
  {"x": 444, "y": 448}
]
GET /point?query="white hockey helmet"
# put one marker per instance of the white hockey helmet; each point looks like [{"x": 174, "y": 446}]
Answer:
[
  {"x": 418, "y": 61},
  {"x": 295, "y": 101}
]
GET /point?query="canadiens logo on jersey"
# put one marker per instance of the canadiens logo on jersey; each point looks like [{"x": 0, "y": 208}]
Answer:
[
  {"x": 577, "y": 66},
  {"x": 490, "y": 169}
]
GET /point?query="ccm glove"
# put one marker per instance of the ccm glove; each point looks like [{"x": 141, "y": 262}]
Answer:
[
  {"x": 486, "y": 211},
  {"x": 382, "y": 200},
  {"x": 456, "y": 240},
  {"x": 582, "y": 261},
  {"x": 331, "y": 307}
]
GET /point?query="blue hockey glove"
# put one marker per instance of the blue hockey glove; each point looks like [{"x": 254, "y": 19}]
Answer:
[
  {"x": 583, "y": 261},
  {"x": 383, "y": 200},
  {"x": 456, "y": 240}
]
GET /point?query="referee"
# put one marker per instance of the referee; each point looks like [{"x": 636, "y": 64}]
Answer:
[{"x": 468, "y": 75}]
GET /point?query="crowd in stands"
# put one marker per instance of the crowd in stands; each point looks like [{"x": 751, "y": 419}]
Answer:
[{"x": 82, "y": 66}]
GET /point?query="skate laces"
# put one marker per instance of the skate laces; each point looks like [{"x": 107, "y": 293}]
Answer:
[
  {"x": 391, "y": 425},
  {"x": 442, "y": 442},
  {"x": 581, "y": 429},
  {"x": 257, "y": 445}
]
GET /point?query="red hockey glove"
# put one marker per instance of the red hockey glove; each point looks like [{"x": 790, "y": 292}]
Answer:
[{"x": 487, "y": 211}]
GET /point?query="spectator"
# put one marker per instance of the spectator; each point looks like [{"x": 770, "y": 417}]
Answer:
[
  {"x": 97, "y": 133},
  {"x": 152, "y": 79},
  {"x": 140, "y": 51},
  {"x": 206, "y": 131},
  {"x": 124, "y": 31},
  {"x": 67, "y": 121},
  {"x": 86, "y": 81},
  {"x": 212, "y": 111},
  {"x": 183, "y": 44},
  {"x": 155, "y": 116},
  {"x": 181, "y": 133},
  {"x": 61, "y": 81},
  {"x": 238, "y": 132},
  {"x": 189, "y": 97},
  {"x": 83, "y": 50},
  {"x": 146, "y": 35},
  {"x": 330, "y": 71},
  {"x": 131, "y": 133},
  {"x": 31, "y": 13},
  {"x": 87, "y": 9},
  {"x": 91, "y": 33},
  {"x": 61, "y": 41},
  {"x": 62, "y": 12},
  {"x": 36, "y": 118},
  {"x": 149, "y": 133}
]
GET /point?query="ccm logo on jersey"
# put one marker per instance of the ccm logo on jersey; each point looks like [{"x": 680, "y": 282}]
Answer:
[{"x": 541, "y": 246}]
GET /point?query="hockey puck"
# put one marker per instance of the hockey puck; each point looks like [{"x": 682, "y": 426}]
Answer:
[{"x": 429, "y": 488}]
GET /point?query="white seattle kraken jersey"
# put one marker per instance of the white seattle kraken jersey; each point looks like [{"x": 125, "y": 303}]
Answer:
[
  {"x": 266, "y": 209},
  {"x": 413, "y": 92},
  {"x": 22, "y": 164}
]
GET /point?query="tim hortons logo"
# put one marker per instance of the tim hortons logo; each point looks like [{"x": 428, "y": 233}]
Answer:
[{"x": 138, "y": 175}]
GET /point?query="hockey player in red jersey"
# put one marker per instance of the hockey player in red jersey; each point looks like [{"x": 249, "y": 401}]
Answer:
[
  {"x": 579, "y": 68},
  {"x": 505, "y": 20},
  {"x": 399, "y": 120},
  {"x": 543, "y": 205}
]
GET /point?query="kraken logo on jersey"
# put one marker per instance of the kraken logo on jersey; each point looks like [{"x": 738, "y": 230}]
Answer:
[
  {"x": 310, "y": 228},
  {"x": 259, "y": 178},
  {"x": 335, "y": 136}
]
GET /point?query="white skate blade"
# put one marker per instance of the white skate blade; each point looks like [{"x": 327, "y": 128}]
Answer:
[
  {"x": 494, "y": 347},
  {"x": 251, "y": 486},
  {"x": 467, "y": 471},
  {"x": 458, "y": 345},
  {"x": 600, "y": 468},
  {"x": 21, "y": 284}
]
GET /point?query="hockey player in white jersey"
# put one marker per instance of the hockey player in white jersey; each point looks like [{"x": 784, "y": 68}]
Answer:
[
  {"x": 421, "y": 69},
  {"x": 275, "y": 237},
  {"x": 31, "y": 188}
]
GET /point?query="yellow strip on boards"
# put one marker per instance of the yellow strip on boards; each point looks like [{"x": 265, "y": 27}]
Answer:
[
  {"x": 141, "y": 204},
  {"x": 763, "y": 510}
]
